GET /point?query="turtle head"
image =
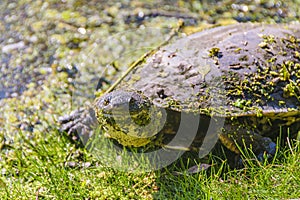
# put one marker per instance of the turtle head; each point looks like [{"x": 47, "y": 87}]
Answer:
[
  {"x": 120, "y": 103},
  {"x": 129, "y": 117}
]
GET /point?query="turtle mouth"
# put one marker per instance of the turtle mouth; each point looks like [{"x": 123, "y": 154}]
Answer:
[{"x": 115, "y": 114}]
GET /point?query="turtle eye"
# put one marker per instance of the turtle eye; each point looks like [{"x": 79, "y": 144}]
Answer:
[{"x": 139, "y": 112}]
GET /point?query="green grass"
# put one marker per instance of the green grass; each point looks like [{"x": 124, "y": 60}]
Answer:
[
  {"x": 40, "y": 163},
  {"x": 52, "y": 168},
  {"x": 279, "y": 180},
  {"x": 37, "y": 162}
]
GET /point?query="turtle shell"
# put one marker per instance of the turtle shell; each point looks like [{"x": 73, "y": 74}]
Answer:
[
  {"x": 243, "y": 80},
  {"x": 235, "y": 70}
]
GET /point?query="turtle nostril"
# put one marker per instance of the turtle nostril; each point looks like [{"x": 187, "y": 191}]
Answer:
[
  {"x": 161, "y": 94},
  {"x": 106, "y": 102}
]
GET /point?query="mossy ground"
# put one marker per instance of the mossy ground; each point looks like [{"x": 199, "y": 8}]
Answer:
[{"x": 38, "y": 162}]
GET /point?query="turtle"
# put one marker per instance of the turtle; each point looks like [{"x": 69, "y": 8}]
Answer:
[{"x": 237, "y": 85}]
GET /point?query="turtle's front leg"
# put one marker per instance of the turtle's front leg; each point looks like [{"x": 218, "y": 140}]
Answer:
[{"x": 79, "y": 125}]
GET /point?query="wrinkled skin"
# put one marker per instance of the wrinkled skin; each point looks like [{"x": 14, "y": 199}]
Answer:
[{"x": 248, "y": 75}]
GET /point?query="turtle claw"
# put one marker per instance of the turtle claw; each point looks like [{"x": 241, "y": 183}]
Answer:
[
  {"x": 79, "y": 125},
  {"x": 73, "y": 115}
]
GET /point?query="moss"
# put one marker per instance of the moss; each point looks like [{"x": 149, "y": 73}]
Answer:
[
  {"x": 214, "y": 52},
  {"x": 237, "y": 50},
  {"x": 244, "y": 58},
  {"x": 291, "y": 90},
  {"x": 242, "y": 103},
  {"x": 256, "y": 88},
  {"x": 297, "y": 55},
  {"x": 263, "y": 44}
]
